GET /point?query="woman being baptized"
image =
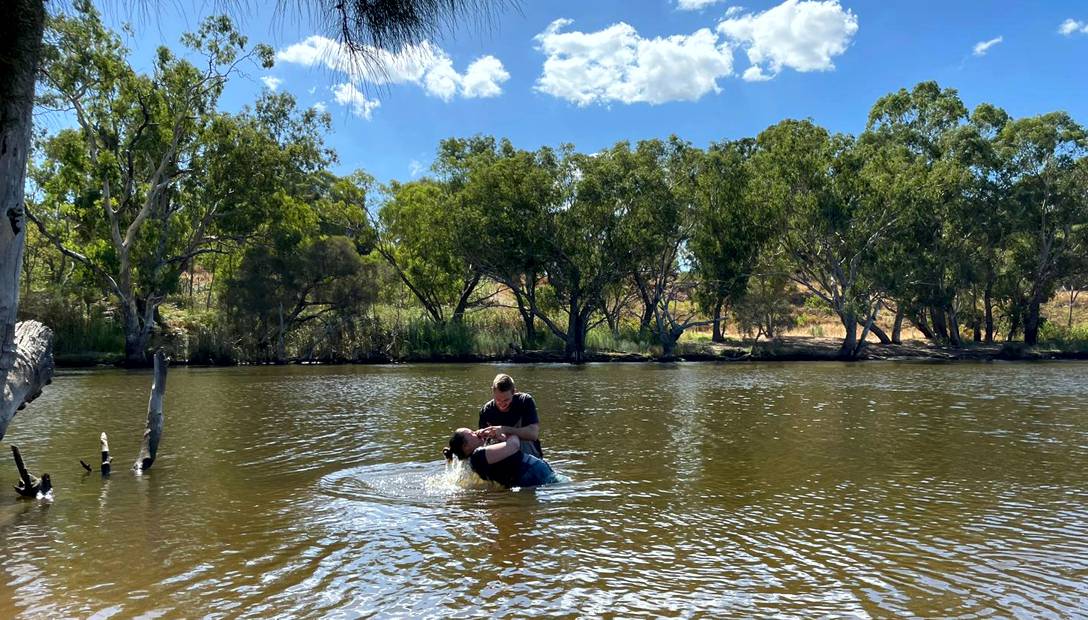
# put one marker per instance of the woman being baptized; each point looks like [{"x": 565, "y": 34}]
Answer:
[{"x": 501, "y": 461}]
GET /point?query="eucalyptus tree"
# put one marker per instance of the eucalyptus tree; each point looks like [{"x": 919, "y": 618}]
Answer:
[
  {"x": 828, "y": 225},
  {"x": 555, "y": 228},
  {"x": 150, "y": 174},
  {"x": 289, "y": 282},
  {"x": 662, "y": 189},
  {"x": 926, "y": 263},
  {"x": 974, "y": 146},
  {"x": 417, "y": 236},
  {"x": 1045, "y": 178},
  {"x": 729, "y": 230},
  {"x": 505, "y": 200}
]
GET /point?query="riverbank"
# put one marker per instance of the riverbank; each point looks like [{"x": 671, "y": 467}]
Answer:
[{"x": 786, "y": 349}]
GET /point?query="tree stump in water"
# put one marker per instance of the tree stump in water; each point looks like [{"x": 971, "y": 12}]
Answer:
[
  {"x": 106, "y": 460},
  {"x": 29, "y": 486},
  {"x": 24, "y": 369},
  {"x": 153, "y": 432}
]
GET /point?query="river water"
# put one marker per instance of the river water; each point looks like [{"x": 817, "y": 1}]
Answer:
[{"x": 797, "y": 489}]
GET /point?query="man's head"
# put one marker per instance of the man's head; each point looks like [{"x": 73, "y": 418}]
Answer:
[{"x": 502, "y": 390}]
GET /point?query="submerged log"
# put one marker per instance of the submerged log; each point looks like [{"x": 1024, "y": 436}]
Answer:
[
  {"x": 26, "y": 366},
  {"x": 153, "y": 431},
  {"x": 29, "y": 485}
]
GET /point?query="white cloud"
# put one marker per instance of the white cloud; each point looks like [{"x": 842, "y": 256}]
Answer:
[
  {"x": 347, "y": 94},
  {"x": 425, "y": 64},
  {"x": 803, "y": 35},
  {"x": 695, "y": 5},
  {"x": 415, "y": 168},
  {"x": 320, "y": 106},
  {"x": 984, "y": 46},
  {"x": 271, "y": 82},
  {"x": 616, "y": 64},
  {"x": 1071, "y": 26},
  {"x": 484, "y": 78}
]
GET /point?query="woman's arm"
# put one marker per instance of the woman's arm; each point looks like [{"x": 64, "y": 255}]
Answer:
[{"x": 499, "y": 451}]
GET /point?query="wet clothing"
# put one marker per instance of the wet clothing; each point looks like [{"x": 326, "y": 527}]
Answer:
[
  {"x": 516, "y": 470},
  {"x": 522, "y": 412}
]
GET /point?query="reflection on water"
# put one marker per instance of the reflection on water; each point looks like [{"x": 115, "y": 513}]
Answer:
[{"x": 696, "y": 489}]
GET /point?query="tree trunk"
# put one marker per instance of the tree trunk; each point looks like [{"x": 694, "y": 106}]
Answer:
[
  {"x": 953, "y": 328},
  {"x": 880, "y": 334},
  {"x": 718, "y": 336},
  {"x": 31, "y": 371},
  {"x": 525, "y": 309},
  {"x": 1073, "y": 294},
  {"x": 940, "y": 326},
  {"x": 897, "y": 326},
  {"x": 919, "y": 321},
  {"x": 988, "y": 303},
  {"x": 29, "y": 486},
  {"x": 1031, "y": 323},
  {"x": 466, "y": 296},
  {"x": 1014, "y": 327},
  {"x": 20, "y": 51},
  {"x": 575, "y": 348},
  {"x": 150, "y": 445},
  {"x": 850, "y": 341},
  {"x": 136, "y": 336},
  {"x": 648, "y": 306}
]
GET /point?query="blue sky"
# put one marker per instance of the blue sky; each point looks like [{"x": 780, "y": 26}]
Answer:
[{"x": 593, "y": 72}]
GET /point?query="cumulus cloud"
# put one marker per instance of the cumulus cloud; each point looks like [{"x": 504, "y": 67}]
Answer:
[
  {"x": 984, "y": 46},
  {"x": 346, "y": 94},
  {"x": 695, "y": 5},
  {"x": 1071, "y": 27},
  {"x": 271, "y": 82},
  {"x": 803, "y": 35},
  {"x": 320, "y": 106},
  {"x": 616, "y": 64},
  {"x": 425, "y": 65}
]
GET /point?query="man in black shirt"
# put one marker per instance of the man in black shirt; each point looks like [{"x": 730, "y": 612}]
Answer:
[{"x": 512, "y": 413}]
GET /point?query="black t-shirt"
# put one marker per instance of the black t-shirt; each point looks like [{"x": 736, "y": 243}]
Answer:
[
  {"x": 522, "y": 412},
  {"x": 506, "y": 472}
]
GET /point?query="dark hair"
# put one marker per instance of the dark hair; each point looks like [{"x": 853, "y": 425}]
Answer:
[{"x": 457, "y": 446}]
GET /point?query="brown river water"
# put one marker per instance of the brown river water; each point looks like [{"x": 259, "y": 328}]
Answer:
[{"x": 796, "y": 489}]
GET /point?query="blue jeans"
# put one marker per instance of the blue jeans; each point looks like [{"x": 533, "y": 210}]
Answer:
[{"x": 535, "y": 472}]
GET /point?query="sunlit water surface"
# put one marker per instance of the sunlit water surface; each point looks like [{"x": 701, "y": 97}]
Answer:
[{"x": 872, "y": 489}]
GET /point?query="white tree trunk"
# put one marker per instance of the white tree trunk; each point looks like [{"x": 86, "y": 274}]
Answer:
[
  {"x": 20, "y": 49},
  {"x": 153, "y": 432},
  {"x": 31, "y": 370}
]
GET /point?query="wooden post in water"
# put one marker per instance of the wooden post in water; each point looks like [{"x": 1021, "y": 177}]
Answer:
[
  {"x": 153, "y": 431},
  {"x": 30, "y": 370},
  {"x": 105, "y": 454},
  {"x": 29, "y": 485},
  {"x": 106, "y": 460}
]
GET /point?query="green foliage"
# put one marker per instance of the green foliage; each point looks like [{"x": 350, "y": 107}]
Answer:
[{"x": 1066, "y": 338}]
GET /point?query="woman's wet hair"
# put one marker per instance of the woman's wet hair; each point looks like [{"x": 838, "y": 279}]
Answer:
[{"x": 456, "y": 447}]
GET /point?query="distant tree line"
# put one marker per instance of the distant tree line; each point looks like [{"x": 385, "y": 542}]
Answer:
[{"x": 962, "y": 223}]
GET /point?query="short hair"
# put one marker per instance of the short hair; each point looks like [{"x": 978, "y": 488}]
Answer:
[{"x": 503, "y": 383}]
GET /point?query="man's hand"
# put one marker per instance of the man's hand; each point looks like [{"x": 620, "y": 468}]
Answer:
[{"x": 491, "y": 432}]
